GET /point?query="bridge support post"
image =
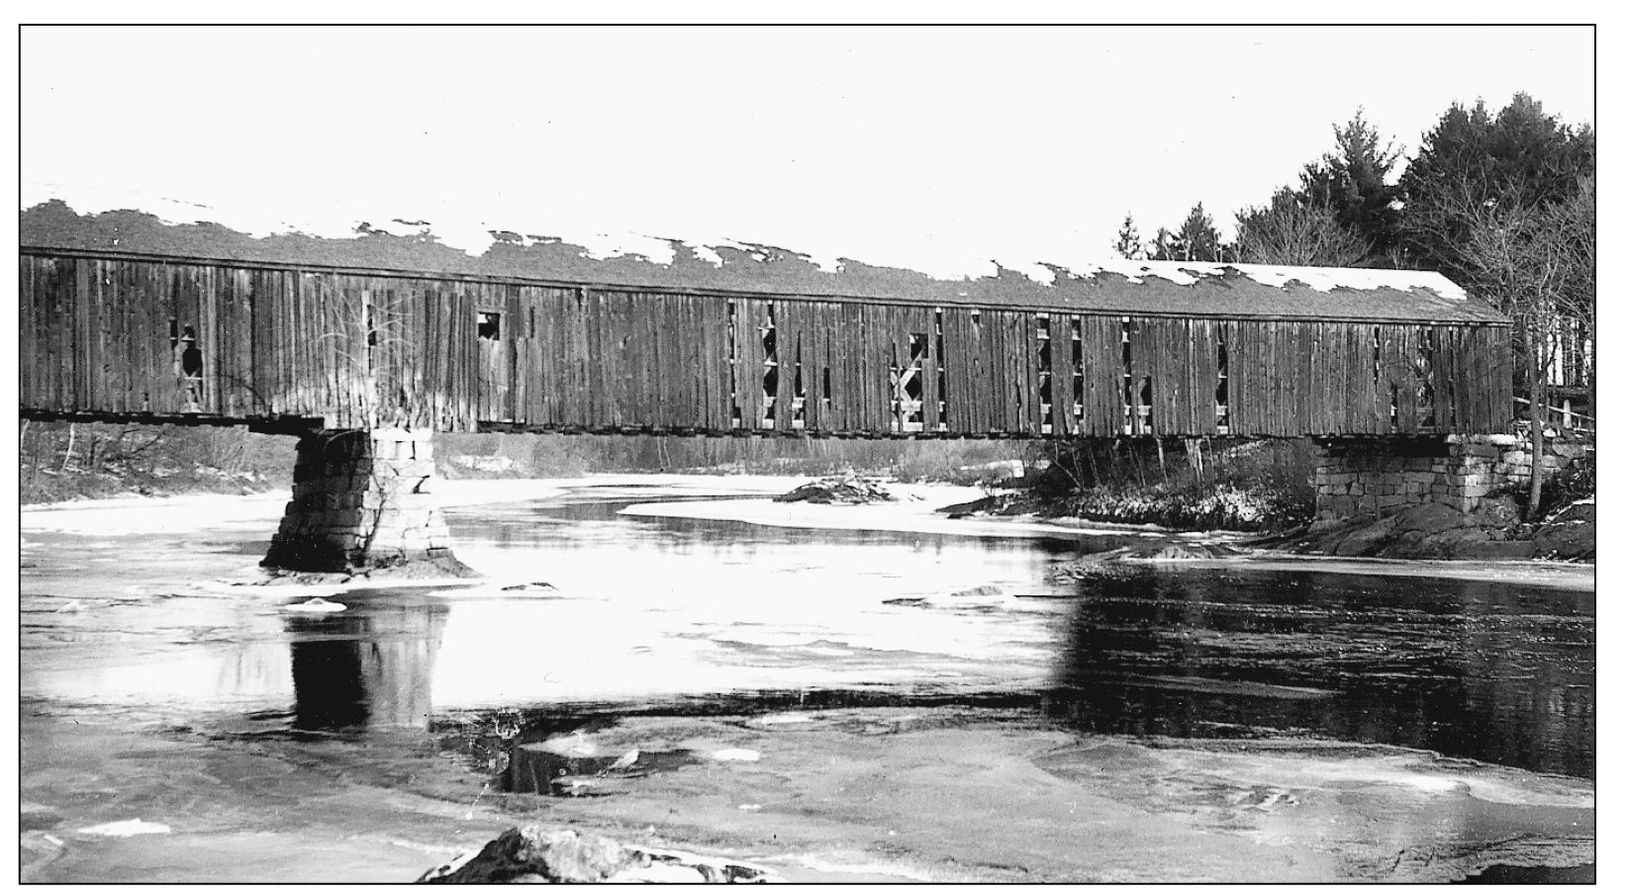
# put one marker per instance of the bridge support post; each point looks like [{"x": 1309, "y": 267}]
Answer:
[{"x": 361, "y": 501}]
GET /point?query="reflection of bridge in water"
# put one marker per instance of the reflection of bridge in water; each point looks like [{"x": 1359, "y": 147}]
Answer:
[
  {"x": 124, "y": 319},
  {"x": 373, "y": 666},
  {"x": 1466, "y": 668}
]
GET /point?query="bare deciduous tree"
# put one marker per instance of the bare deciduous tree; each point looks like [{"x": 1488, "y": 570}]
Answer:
[
  {"x": 1535, "y": 261},
  {"x": 1290, "y": 231}
]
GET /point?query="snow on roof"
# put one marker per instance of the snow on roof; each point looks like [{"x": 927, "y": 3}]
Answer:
[
  {"x": 1320, "y": 278},
  {"x": 1114, "y": 285}
]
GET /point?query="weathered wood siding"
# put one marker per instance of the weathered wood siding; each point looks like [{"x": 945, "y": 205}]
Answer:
[{"x": 101, "y": 335}]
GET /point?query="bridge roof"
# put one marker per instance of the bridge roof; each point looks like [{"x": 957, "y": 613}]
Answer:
[{"x": 1113, "y": 287}]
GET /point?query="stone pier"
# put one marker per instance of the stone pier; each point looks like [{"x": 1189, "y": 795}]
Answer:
[
  {"x": 361, "y": 501},
  {"x": 1382, "y": 475}
]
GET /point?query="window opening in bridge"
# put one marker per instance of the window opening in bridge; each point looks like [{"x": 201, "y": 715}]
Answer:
[
  {"x": 1222, "y": 387},
  {"x": 1426, "y": 346},
  {"x": 770, "y": 372},
  {"x": 1377, "y": 357},
  {"x": 798, "y": 401},
  {"x": 942, "y": 375},
  {"x": 188, "y": 367},
  {"x": 1450, "y": 382},
  {"x": 1077, "y": 339},
  {"x": 1126, "y": 385},
  {"x": 1144, "y": 408},
  {"x": 908, "y": 388},
  {"x": 827, "y": 382},
  {"x": 530, "y": 322},
  {"x": 489, "y": 327},
  {"x": 733, "y": 373},
  {"x": 1046, "y": 385}
]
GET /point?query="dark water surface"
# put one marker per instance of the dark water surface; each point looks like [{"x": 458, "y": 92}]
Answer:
[{"x": 1495, "y": 671}]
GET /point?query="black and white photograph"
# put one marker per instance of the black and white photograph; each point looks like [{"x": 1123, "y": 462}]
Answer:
[{"x": 809, "y": 454}]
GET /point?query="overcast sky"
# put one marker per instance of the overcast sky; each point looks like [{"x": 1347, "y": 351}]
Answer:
[{"x": 936, "y": 148}]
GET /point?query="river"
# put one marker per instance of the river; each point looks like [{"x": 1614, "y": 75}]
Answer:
[{"x": 662, "y": 660}]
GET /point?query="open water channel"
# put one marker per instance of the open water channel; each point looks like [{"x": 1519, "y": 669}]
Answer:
[{"x": 830, "y": 703}]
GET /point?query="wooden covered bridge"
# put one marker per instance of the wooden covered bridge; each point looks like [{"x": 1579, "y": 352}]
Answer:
[{"x": 126, "y": 319}]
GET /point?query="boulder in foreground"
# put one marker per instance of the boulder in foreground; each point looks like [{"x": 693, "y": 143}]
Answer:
[{"x": 537, "y": 854}]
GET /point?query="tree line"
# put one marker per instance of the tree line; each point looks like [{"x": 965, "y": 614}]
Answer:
[{"x": 1502, "y": 203}]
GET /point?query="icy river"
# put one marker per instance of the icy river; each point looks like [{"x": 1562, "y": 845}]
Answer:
[{"x": 833, "y": 693}]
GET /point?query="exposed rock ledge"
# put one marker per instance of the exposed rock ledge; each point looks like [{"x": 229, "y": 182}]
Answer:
[{"x": 1491, "y": 532}]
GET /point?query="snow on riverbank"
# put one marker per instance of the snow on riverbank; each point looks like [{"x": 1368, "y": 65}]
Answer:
[{"x": 914, "y": 511}]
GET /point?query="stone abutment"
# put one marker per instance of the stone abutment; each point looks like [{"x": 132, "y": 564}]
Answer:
[
  {"x": 1378, "y": 476},
  {"x": 361, "y": 501}
]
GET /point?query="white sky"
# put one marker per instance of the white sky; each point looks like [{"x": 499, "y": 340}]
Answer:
[{"x": 935, "y": 148}]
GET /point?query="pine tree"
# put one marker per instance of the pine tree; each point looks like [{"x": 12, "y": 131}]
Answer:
[
  {"x": 1197, "y": 237},
  {"x": 1352, "y": 182},
  {"x": 1522, "y": 156},
  {"x": 1129, "y": 244}
]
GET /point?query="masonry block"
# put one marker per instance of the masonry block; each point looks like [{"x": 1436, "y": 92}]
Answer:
[
  {"x": 1389, "y": 475},
  {"x": 360, "y": 500}
]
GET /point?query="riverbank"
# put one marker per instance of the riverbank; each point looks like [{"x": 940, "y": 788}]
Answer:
[{"x": 950, "y": 510}]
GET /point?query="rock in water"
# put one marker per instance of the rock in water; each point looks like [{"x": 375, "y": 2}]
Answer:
[
  {"x": 316, "y": 605},
  {"x": 847, "y": 489},
  {"x": 532, "y": 853}
]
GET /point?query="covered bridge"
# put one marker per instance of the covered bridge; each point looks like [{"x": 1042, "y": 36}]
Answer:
[{"x": 123, "y": 317}]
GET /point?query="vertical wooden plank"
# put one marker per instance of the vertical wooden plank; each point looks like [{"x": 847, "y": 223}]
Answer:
[
  {"x": 785, "y": 355},
  {"x": 594, "y": 363},
  {"x": 812, "y": 347},
  {"x": 876, "y": 342},
  {"x": 60, "y": 322},
  {"x": 853, "y": 350},
  {"x": 28, "y": 330},
  {"x": 872, "y": 344},
  {"x": 974, "y": 373},
  {"x": 606, "y": 366},
  {"x": 712, "y": 384},
  {"x": 987, "y": 377},
  {"x": 1238, "y": 336},
  {"x": 961, "y": 347},
  {"x": 1198, "y": 351},
  {"x": 750, "y": 325}
]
